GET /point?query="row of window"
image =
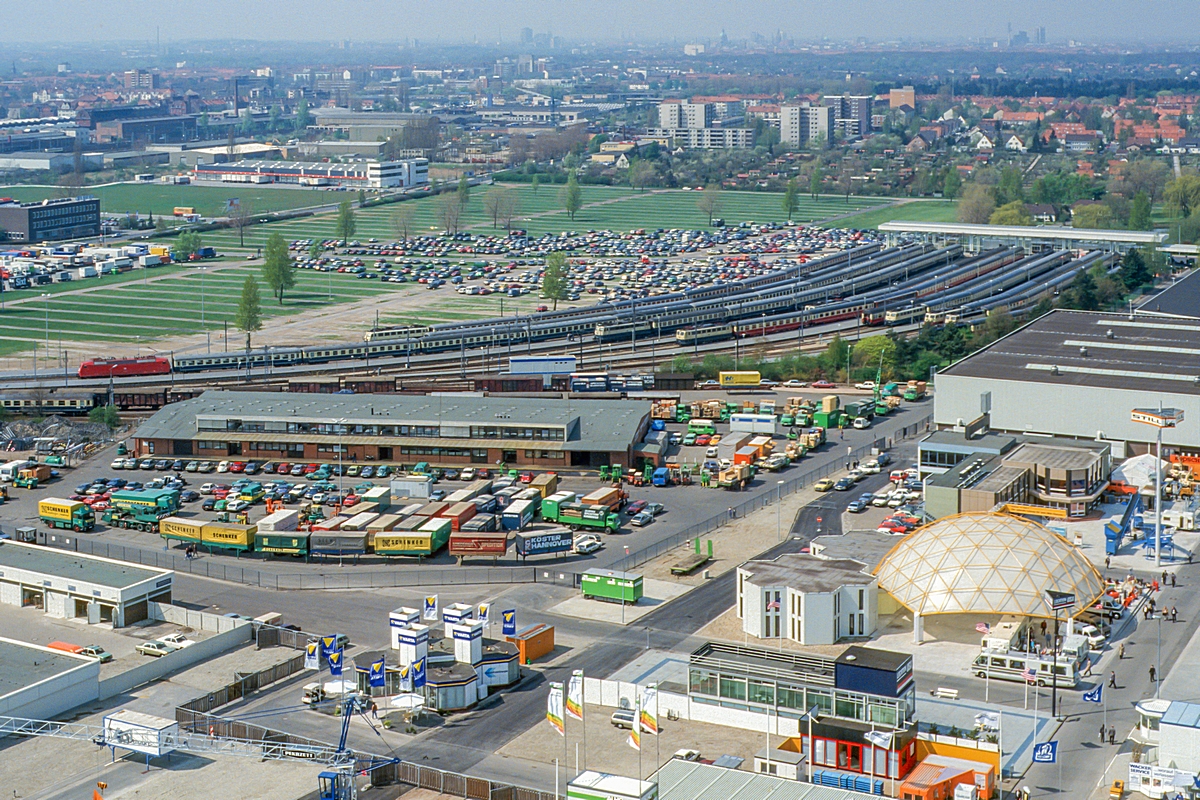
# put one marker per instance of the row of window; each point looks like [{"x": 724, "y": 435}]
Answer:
[
  {"x": 55, "y": 212},
  {"x": 846, "y": 705},
  {"x": 416, "y": 431}
]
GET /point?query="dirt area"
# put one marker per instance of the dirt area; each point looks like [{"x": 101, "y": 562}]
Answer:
[{"x": 607, "y": 747}]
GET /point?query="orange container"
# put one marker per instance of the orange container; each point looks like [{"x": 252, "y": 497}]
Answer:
[{"x": 533, "y": 642}]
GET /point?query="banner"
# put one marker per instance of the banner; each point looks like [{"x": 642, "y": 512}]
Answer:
[
  {"x": 1095, "y": 695},
  {"x": 649, "y": 712},
  {"x": 554, "y": 709},
  {"x": 431, "y": 606},
  {"x": 484, "y": 608},
  {"x": 509, "y": 619},
  {"x": 335, "y": 663},
  {"x": 879, "y": 739},
  {"x": 376, "y": 676},
  {"x": 1045, "y": 753},
  {"x": 406, "y": 678},
  {"x": 312, "y": 658},
  {"x": 328, "y": 645},
  {"x": 575, "y": 695},
  {"x": 635, "y": 732},
  {"x": 418, "y": 673}
]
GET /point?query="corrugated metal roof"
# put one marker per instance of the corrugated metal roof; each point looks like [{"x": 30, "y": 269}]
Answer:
[
  {"x": 1026, "y": 231},
  {"x": 687, "y": 780}
]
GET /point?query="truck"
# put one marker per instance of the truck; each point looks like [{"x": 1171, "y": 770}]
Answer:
[
  {"x": 159, "y": 501},
  {"x": 610, "y": 497},
  {"x": 9, "y": 471},
  {"x": 578, "y": 515},
  {"x": 739, "y": 380},
  {"x": 736, "y": 477},
  {"x": 915, "y": 391},
  {"x": 72, "y": 515},
  {"x": 30, "y": 477}
]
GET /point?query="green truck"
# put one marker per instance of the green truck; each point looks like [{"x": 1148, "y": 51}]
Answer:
[
  {"x": 561, "y": 508},
  {"x": 141, "y": 510},
  {"x": 66, "y": 514},
  {"x": 612, "y": 586}
]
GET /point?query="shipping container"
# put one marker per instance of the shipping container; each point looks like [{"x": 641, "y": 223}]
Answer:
[
  {"x": 752, "y": 423},
  {"x": 411, "y": 486},
  {"x": 606, "y": 584},
  {"x": 410, "y": 509},
  {"x": 292, "y": 543},
  {"x": 282, "y": 521},
  {"x": 504, "y": 496},
  {"x": 360, "y": 508},
  {"x": 338, "y": 544},
  {"x": 228, "y": 536},
  {"x": 381, "y": 496},
  {"x": 331, "y": 524},
  {"x": 478, "y": 544},
  {"x": 546, "y": 484},
  {"x": 182, "y": 530},
  {"x": 541, "y": 543},
  {"x": 410, "y": 523},
  {"x": 383, "y": 523},
  {"x": 458, "y": 496},
  {"x": 486, "y": 503},
  {"x": 739, "y": 380},
  {"x": 482, "y": 522},
  {"x": 746, "y": 455},
  {"x": 458, "y": 514},
  {"x": 608, "y": 496},
  {"x": 517, "y": 515},
  {"x": 533, "y": 642},
  {"x": 480, "y": 486},
  {"x": 432, "y": 509}
]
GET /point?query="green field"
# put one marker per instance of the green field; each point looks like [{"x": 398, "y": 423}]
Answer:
[
  {"x": 923, "y": 211},
  {"x": 160, "y": 199}
]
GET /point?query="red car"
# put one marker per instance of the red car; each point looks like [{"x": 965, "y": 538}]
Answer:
[
  {"x": 525, "y": 477},
  {"x": 237, "y": 466},
  {"x": 351, "y": 499},
  {"x": 483, "y": 472},
  {"x": 703, "y": 439},
  {"x": 283, "y": 469},
  {"x": 636, "y": 507},
  {"x": 824, "y": 385},
  {"x": 309, "y": 469}
]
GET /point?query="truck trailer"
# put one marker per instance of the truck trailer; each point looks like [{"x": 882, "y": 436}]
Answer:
[{"x": 66, "y": 514}]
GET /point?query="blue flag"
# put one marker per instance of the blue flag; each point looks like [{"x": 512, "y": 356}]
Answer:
[
  {"x": 418, "y": 673},
  {"x": 328, "y": 645},
  {"x": 510, "y": 622},
  {"x": 335, "y": 663},
  {"x": 376, "y": 674},
  {"x": 1045, "y": 753},
  {"x": 1095, "y": 695}
]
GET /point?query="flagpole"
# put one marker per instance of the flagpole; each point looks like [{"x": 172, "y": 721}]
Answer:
[
  {"x": 657, "y": 730},
  {"x": 583, "y": 713}
]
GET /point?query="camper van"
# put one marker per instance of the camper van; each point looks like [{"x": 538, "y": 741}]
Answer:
[
  {"x": 1012, "y": 665},
  {"x": 9, "y": 471}
]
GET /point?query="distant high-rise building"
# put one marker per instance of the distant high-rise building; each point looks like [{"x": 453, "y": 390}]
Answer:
[
  {"x": 140, "y": 79},
  {"x": 1041, "y": 34},
  {"x": 851, "y": 113},
  {"x": 526, "y": 35},
  {"x": 685, "y": 114},
  {"x": 1018, "y": 39},
  {"x": 801, "y": 123},
  {"x": 525, "y": 64}
]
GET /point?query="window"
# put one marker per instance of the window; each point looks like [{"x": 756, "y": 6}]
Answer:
[
  {"x": 848, "y": 707},
  {"x": 883, "y": 715},
  {"x": 733, "y": 688},
  {"x": 761, "y": 692},
  {"x": 150, "y": 447},
  {"x": 791, "y": 698},
  {"x": 861, "y": 596},
  {"x": 703, "y": 682}
]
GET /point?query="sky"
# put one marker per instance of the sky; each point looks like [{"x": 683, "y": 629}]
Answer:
[{"x": 601, "y": 21}]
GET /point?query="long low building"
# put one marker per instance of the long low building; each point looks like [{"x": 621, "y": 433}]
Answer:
[
  {"x": 1034, "y": 238},
  {"x": 71, "y": 585},
  {"x": 445, "y": 430},
  {"x": 353, "y": 174}
]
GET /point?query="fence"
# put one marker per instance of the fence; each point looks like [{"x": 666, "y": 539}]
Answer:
[
  {"x": 241, "y": 687},
  {"x": 795, "y": 484}
]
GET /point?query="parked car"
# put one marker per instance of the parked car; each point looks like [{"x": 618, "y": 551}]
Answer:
[
  {"x": 209, "y": 504},
  {"x": 176, "y": 639},
  {"x": 156, "y": 649},
  {"x": 622, "y": 718},
  {"x": 590, "y": 546},
  {"x": 824, "y": 385},
  {"x": 654, "y": 509},
  {"x": 97, "y": 652},
  {"x": 823, "y": 485},
  {"x": 861, "y": 423},
  {"x": 857, "y": 506},
  {"x": 192, "y": 466},
  {"x": 844, "y": 484},
  {"x": 641, "y": 520}
]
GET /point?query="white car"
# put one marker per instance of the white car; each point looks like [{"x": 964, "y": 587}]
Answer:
[
  {"x": 207, "y": 488},
  {"x": 583, "y": 548},
  {"x": 156, "y": 649},
  {"x": 118, "y": 463},
  {"x": 236, "y": 505},
  {"x": 881, "y": 499},
  {"x": 131, "y": 463},
  {"x": 861, "y": 423},
  {"x": 176, "y": 639},
  {"x": 870, "y": 467},
  {"x": 795, "y": 384},
  {"x": 711, "y": 452},
  {"x": 1095, "y": 638},
  {"x": 223, "y": 466},
  {"x": 867, "y": 385}
]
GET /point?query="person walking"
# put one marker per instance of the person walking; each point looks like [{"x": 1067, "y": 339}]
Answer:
[
  {"x": 1121, "y": 651},
  {"x": 1112, "y": 735},
  {"x": 1174, "y": 614},
  {"x": 1108, "y": 562},
  {"x": 1112, "y": 679},
  {"x": 1153, "y": 674},
  {"x": 1172, "y": 580},
  {"x": 1102, "y": 733}
]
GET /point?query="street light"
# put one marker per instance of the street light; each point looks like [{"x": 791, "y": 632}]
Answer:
[
  {"x": 1161, "y": 418},
  {"x": 1057, "y": 601},
  {"x": 810, "y": 715},
  {"x": 779, "y": 510}
]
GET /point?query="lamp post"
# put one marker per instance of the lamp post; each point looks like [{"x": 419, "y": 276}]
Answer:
[
  {"x": 46, "y": 318},
  {"x": 1058, "y": 601},
  {"x": 779, "y": 510},
  {"x": 810, "y": 715},
  {"x": 1160, "y": 418}
]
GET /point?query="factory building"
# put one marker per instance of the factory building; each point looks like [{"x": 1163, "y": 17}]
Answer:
[
  {"x": 354, "y": 174},
  {"x": 50, "y": 220},
  {"x": 1097, "y": 366},
  {"x": 451, "y": 430}
]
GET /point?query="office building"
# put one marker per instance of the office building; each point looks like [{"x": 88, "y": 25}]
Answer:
[
  {"x": 903, "y": 96},
  {"x": 408, "y": 429},
  {"x": 704, "y": 138},
  {"x": 803, "y": 123},
  {"x": 353, "y": 174},
  {"x": 140, "y": 79},
  {"x": 807, "y": 599},
  {"x": 50, "y": 220}
]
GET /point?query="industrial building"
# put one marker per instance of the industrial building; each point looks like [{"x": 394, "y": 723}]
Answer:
[
  {"x": 48, "y": 161},
  {"x": 353, "y": 174},
  {"x": 38, "y": 683},
  {"x": 443, "y": 430},
  {"x": 1034, "y": 238},
  {"x": 1098, "y": 366},
  {"x": 807, "y": 599},
  {"x": 50, "y": 220},
  {"x": 363, "y": 126},
  {"x": 71, "y": 585}
]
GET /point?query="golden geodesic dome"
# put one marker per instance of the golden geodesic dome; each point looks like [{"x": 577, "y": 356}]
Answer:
[{"x": 986, "y": 563}]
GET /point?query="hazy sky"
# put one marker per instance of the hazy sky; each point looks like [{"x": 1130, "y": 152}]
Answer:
[{"x": 598, "y": 20}]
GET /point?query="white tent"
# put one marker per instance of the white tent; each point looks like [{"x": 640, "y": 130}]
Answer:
[{"x": 1139, "y": 471}]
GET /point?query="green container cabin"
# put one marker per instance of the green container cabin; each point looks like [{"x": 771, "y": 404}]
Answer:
[
  {"x": 287, "y": 543},
  {"x": 612, "y": 586}
]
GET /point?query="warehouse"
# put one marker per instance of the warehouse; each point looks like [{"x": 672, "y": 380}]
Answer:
[
  {"x": 75, "y": 586},
  {"x": 1079, "y": 375},
  {"x": 38, "y": 683},
  {"x": 353, "y": 174},
  {"x": 407, "y": 429}
]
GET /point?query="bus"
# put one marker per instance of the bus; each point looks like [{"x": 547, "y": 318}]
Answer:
[
  {"x": 699, "y": 426},
  {"x": 251, "y": 493},
  {"x": 1014, "y": 665}
]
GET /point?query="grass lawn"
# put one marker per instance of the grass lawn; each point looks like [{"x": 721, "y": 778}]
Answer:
[
  {"x": 924, "y": 211},
  {"x": 161, "y": 198}
]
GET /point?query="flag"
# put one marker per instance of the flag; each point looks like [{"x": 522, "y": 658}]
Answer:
[
  {"x": 509, "y": 619},
  {"x": 431, "y": 606},
  {"x": 328, "y": 645},
  {"x": 1045, "y": 753},
  {"x": 773, "y": 605},
  {"x": 406, "y": 678},
  {"x": 575, "y": 695},
  {"x": 983, "y": 628},
  {"x": 649, "y": 711},
  {"x": 335, "y": 663},
  {"x": 879, "y": 739},
  {"x": 1029, "y": 675},
  {"x": 376, "y": 675},
  {"x": 1095, "y": 695},
  {"x": 484, "y": 608},
  {"x": 635, "y": 732},
  {"x": 554, "y": 709},
  {"x": 418, "y": 673},
  {"x": 312, "y": 658}
]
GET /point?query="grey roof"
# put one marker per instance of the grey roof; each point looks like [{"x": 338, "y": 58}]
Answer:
[
  {"x": 948, "y": 441},
  {"x": 1076, "y": 455},
  {"x": 22, "y": 665},
  {"x": 77, "y": 566},
  {"x": 807, "y": 573},
  {"x": 1094, "y": 349},
  {"x": 1027, "y": 231},
  {"x": 604, "y": 425},
  {"x": 868, "y": 547},
  {"x": 1180, "y": 299},
  {"x": 688, "y": 780}
]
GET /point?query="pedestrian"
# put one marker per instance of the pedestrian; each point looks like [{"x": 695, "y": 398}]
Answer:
[
  {"x": 1102, "y": 733},
  {"x": 1121, "y": 651},
  {"x": 1153, "y": 674},
  {"x": 1172, "y": 580},
  {"x": 1164, "y": 576},
  {"x": 1174, "y": 614},
  {"x": 1087, "y": 670},
  {"x": 1112, "y": 679},
  {"x": 1112, "y": 735},
  {"x": 374, "y": 710}
]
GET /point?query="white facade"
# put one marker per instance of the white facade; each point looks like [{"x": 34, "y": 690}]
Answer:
[
  {"x": 705, "y": 138},
  {"x": 685, "y": 114},
  {"x": 774, "y": 605},
  {"x": 802, "y": 123}
]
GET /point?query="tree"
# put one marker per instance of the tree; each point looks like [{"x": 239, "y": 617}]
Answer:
[
  {"x": 709, "y": 201},
  {"x": 1134, "y": 271},
  {"x": 554, "y": 277},
  {"x": 463, "y": 191},
  {"x": 533, "y": 183},
  {"x": 1139, "y": 213},
  {"x": 277, "y": 266},
  {"x": 1081, "y": 294},
  {"x": 303, "y": 118},
  {"x": 977, "y": 205},
  {"x": 791, "y": 199},
  {"x": 1009, "y": 190},
  {"x": 641, "y": 174},
  {"x": 202, "y": 124},
  {"x": 951, "y": 183},
  {"x": 814, "y": 182},
  {"x": 315, "y": 249},
  {"x": 1145, "y": 175},
  {"x": 449, "y": 211},
  {"x": 1183, "y": 195},
  {"x": 510, "y": 206},
  {"x": 248, "y": 317},
  {"x": 346, "y": 223},
  {"x": 500, "y": 205},
  {"x": 276, "y": 114},
  {"x": 1013, "y": 213},
  {"x": 247, "y": 124},
  {"x": 187, "y": 245},
  {"x": 402, "y": 219},
  {"x": 571, "y": 196},
  {"x": 845, "y": 184},
  {"x": 106, "y": 416},
  {"x": 240, "y": 216},
  {"x": 1093, "y": 216}
]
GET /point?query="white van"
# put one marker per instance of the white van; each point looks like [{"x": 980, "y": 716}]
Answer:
[{"x": 1012, "y": 665}]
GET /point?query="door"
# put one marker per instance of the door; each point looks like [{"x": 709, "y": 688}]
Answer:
[
  {"x": 93, "y": 613},
  {"x": 509, "y": 457},
  {"x": 234, "y": 448},
  {"x": 385, "y": 454}
]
